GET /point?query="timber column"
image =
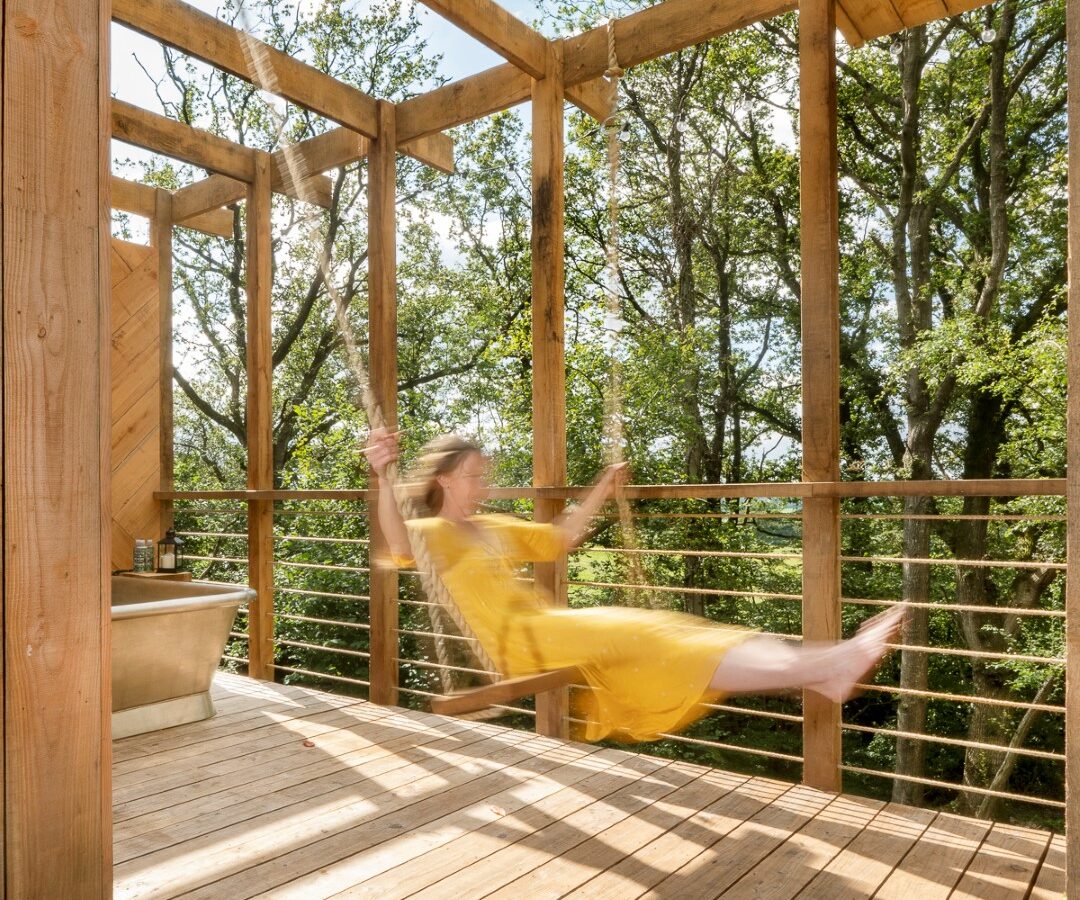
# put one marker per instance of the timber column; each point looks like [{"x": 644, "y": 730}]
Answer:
[
  {"x": 382, "y": 358},
  {"x": 54, "y": 196},
  {"x": 260, "y": 434},
  {"x": 161, "y": 237},
  {"x": 820, "y": 294},
  {"x": 548, "y": 355},
  {"x": 1072, "y": 584}
]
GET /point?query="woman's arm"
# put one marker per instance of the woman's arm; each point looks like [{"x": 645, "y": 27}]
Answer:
[
  {"x": 574, "y": 523},
  {"x": 383, "y": 450}
]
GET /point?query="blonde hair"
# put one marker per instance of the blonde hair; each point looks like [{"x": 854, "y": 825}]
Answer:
[{"x": 439, "y": 457}]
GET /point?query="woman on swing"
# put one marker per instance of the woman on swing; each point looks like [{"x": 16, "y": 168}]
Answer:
[{"x": 649, "y": 671}]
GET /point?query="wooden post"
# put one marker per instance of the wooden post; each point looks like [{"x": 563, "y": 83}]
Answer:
[
  {"x": 820, "y": 370},
  {"x": 549, "y": 369},
  {"x": 54, "y": 254},
  {"x": 161, "y": 235},
  {"x": 260, "y": 437},
  {"x": 1072, "y": 584},
  {"x": 382, "y": 356}
]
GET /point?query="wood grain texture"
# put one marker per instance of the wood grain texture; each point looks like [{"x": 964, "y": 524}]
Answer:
[
  {"x": 208, "y": 38},
  {"x": 497, "y": 30},
  {"x": 260, "y": 436},
  {"x": 661, "y": 29},
  {"x": 820, "y": 299},
  {"x": 141, "y": 128},
  {"x": 55, "y": 223},
  {"x": 1072, "y": 585},
  {"x": 548, "y": 351},
  {"x": 382, "y": 360},
  {"x": 462, "y": 101},
  {"x": 162, "y": 241},
  {"x": 135, "y": 406},
  {"x": 504, "y": 691},
  {"x": 141, "y": 200}
]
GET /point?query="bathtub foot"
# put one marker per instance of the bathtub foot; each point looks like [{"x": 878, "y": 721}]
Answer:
[{"x": 166, "y": 714}]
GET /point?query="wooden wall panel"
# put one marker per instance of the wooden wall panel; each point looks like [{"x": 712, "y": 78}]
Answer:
[
  {"x": 136, "y": 398},
  {"x": 55, "y": 224}
]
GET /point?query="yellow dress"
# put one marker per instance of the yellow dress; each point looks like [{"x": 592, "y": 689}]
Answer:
[{"x": 648, "y": 670}]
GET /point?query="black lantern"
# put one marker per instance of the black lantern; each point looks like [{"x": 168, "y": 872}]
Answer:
[{"x": 170, "y": 553}]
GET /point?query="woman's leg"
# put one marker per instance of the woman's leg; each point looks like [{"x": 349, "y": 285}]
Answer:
[{"x": 767, "y": 664}]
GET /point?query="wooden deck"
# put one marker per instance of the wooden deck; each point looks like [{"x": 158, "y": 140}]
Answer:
[{"x": 390, "y": 803}]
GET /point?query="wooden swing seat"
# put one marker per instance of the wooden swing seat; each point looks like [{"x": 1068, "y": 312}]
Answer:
[{"x": 475, "y": 699}]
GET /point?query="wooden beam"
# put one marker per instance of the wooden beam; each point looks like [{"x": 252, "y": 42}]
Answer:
[
  {"x": 820, "y": 295},
  {"x": 463, "y": 101},
  {"x": 662, "y": 29},
  {"x": 159, "y": 134},
  {"x": 382, "y": 355},
  {"x": 208, "y": 38},
  {"x": 209, "y": 194},
  {"x": 497, "y": 30},
  {"x": 548, "y": 352},
  {"x": 435, "y": 150},
  {"x": 161, "y": 237},
  {"x": 505, "y": 691},
  {"x": 593, "y": 97},
  {"x": 54, "y": 265},
  {"x": 260, "y": 435},
  {"x": 141, "y": 200},
  {"x": 1072, "y": 584}
]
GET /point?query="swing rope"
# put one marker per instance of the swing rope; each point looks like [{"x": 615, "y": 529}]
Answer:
[
  {"x": 614, "y": 419},
  {"x": 431, "y": 583}
]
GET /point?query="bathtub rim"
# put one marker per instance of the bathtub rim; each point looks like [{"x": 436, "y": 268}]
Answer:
[{"x": 229, "y": 595}]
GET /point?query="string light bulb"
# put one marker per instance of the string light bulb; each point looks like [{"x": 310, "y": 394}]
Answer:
[
  {"x": 896, "y": 49},
  {"x": 988, "y": 35}
]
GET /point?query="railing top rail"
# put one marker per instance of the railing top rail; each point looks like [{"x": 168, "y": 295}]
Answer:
[{"x": 987, "y": 487}]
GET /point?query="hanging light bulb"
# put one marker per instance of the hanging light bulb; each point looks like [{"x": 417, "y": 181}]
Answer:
[
  {"x": 681, "y": 126},
  {"x": 988, "y": 35},
  {"x": 624, "y": 130},
  {"x": 896, "y": 49}
]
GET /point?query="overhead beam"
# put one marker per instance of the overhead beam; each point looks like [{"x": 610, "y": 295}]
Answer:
[
  {"x": 210, "y": 193},
  {"x": 497, "y": 30},
  {"x": 142, "y": 200},
  {"x": 208, "y": 38},
  {"x": 463, "y": 101},
  {"x": 593, "y": 97},
  {"x": 519, "y": 44},
  {"x": 655, "y": 31},
  {"x": 661, "y": 29},
  {"x": 159, "y": 134}
]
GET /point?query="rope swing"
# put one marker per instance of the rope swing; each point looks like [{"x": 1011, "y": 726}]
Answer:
[{"x": 614, "y": 324}]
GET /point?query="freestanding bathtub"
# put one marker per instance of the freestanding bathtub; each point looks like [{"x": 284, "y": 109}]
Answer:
[{"x": 167, "y": 640}]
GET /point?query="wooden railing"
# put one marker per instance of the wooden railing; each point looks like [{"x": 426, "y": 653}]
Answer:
[{"x": 733, "y": 553}]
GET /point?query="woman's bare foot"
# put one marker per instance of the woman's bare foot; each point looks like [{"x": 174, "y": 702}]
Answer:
[{"x": 847, "y": 663}]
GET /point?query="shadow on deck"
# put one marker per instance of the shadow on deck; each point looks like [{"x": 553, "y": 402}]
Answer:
[{"x": 392, "y": 803}]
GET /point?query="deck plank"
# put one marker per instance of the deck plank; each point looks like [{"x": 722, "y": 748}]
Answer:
[
  {"x": 937, "y": 861},
  {"x": 392, "y": 803},
  {"x": 719, "y": 866},
  {"x": 573, "y": 868},
  {"x": 1050, "y": 882},
  {"x": 664, "y": 855},
  {"x": 321, "y": 778},
  {"x": 868, "y": 860},
  {"x": 505, "y": 865},
  {"x": 792, "y": 865},
  {"x": 451, "y": 844},
  {"x": 245, "y": 849},
  {"x": 325, "y": 841},
  {"x": 1005, "y": 865}
]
